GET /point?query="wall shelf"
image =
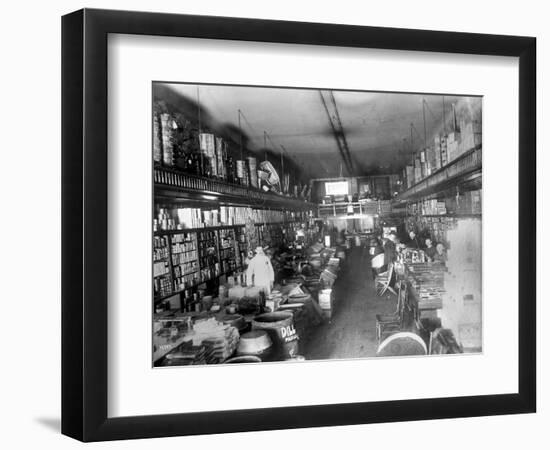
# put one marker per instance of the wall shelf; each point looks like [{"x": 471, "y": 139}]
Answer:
[
  {"x": 379, "y": 207},
  {"x": 457, "y": 216},
  {"x": 464, "y": 168},
  {"x": 172, "y": 185},
  {"x": 194, "y": 230}
]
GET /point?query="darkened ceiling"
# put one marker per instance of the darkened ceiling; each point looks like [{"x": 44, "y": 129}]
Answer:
[{"x": 376, "y": 126}]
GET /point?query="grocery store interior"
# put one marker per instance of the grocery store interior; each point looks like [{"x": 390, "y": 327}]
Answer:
[{"x": 294, "y": 225}]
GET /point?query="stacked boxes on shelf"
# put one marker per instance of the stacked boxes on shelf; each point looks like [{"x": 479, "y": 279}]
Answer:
[
  {"x": 228, "y": 250},
  {"x": 167, "y": 140},
  {"x": 196, "y": 257},
  {"x": 467, "y": 203},
  {"x": 207, "y": 143},
  {"x": 191, "y": 218},
  {"x": 179, "y": 146},
  {"x": 241, "y": 245},
  {"x": 162, "y": 279},
  {"x": 185, "y": 260},
  {"x": 207, "y": 243},
  {"x": 435, "y": 227},
  {"x": 276, "y": 234},
  {"x": 431, "y": 207},
  {"x": 270, "y": 234}
]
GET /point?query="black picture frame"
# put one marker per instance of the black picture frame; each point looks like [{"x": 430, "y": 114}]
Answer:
[{"x": 84, "y": 224}]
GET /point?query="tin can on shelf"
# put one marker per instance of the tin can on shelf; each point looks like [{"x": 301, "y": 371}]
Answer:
[
  {"x": 167, "y": 131},
  {"x": 240, "y": 169},
  {"x": 252, "y": 166}
]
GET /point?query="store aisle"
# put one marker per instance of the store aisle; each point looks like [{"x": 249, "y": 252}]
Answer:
[{"x": 351, "y": 332}]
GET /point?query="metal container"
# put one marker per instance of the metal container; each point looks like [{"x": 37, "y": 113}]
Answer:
[
  {"x": 253, "y": 167},
  {"x": 255, "y": 343},
  {"x": 243, "y": 359},
  {"x": 280, "y": 326},
  {"x": 240, "y": 168},
  {"x": 167, "y": 140},
  {"x": 235, "y": 320}
]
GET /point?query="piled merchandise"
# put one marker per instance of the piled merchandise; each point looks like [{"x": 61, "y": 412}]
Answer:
[
  {"x": 446, "y": 148},
  {"x": 167, "y": 131},
  {"x": 427, "y": 279},
  {"x": 430, "y": 207},
  {"x": 183, "y": 148},
  {"x": 186, "y": 355},
  {"x": 435, "y": 227},
  {"x": 326, "y": 268},
  {"x": 175, "y": 218},
  {"x": 208, "y": 151},
  {"x": 330, "y": 272},
  {"x": 219, "y": 339},
  {"x": 412, "y": 256}
]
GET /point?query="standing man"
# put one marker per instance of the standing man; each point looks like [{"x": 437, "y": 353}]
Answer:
[
  {"x": 430, "y": 250},
  {"x": 413, "y": 241},
  {"x": 390, "y": 249},
  {"x": 260, "y": 271},
  {"x": 440, "y": 253}
]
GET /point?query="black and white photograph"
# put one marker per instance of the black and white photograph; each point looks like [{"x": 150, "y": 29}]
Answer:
[
  {"x": 294, "y": 225},
  {"x": 275, "y": 225}
]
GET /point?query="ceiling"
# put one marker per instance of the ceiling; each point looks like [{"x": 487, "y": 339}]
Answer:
[{"x": 376, "y": 125}]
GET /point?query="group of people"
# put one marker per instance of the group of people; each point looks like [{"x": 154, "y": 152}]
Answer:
[{"x": 433, "y": 253}]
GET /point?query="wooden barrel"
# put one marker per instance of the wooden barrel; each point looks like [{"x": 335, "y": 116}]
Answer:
[{"x": 281, "y": 330}]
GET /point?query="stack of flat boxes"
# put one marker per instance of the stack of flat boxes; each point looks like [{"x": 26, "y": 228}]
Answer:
[
  {"x": 446, "y": 148},
  {"x": 433, "y": 207}
]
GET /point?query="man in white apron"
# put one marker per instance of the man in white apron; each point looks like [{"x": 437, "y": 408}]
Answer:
[{"x": 260, "y": 271}]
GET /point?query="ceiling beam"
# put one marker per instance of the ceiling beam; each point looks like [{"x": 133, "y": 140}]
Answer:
[{"x": 338, "y": 131}]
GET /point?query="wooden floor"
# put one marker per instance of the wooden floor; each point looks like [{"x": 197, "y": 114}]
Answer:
[{"x": 351, "y": 332}]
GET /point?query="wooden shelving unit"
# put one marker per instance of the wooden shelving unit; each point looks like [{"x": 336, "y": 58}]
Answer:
[
  {"x": 274, "y": 234},
  {"x": 162, "y": 267},
  {"x": 218, "y": 250},
  {"x": 198, "y": 255}
]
